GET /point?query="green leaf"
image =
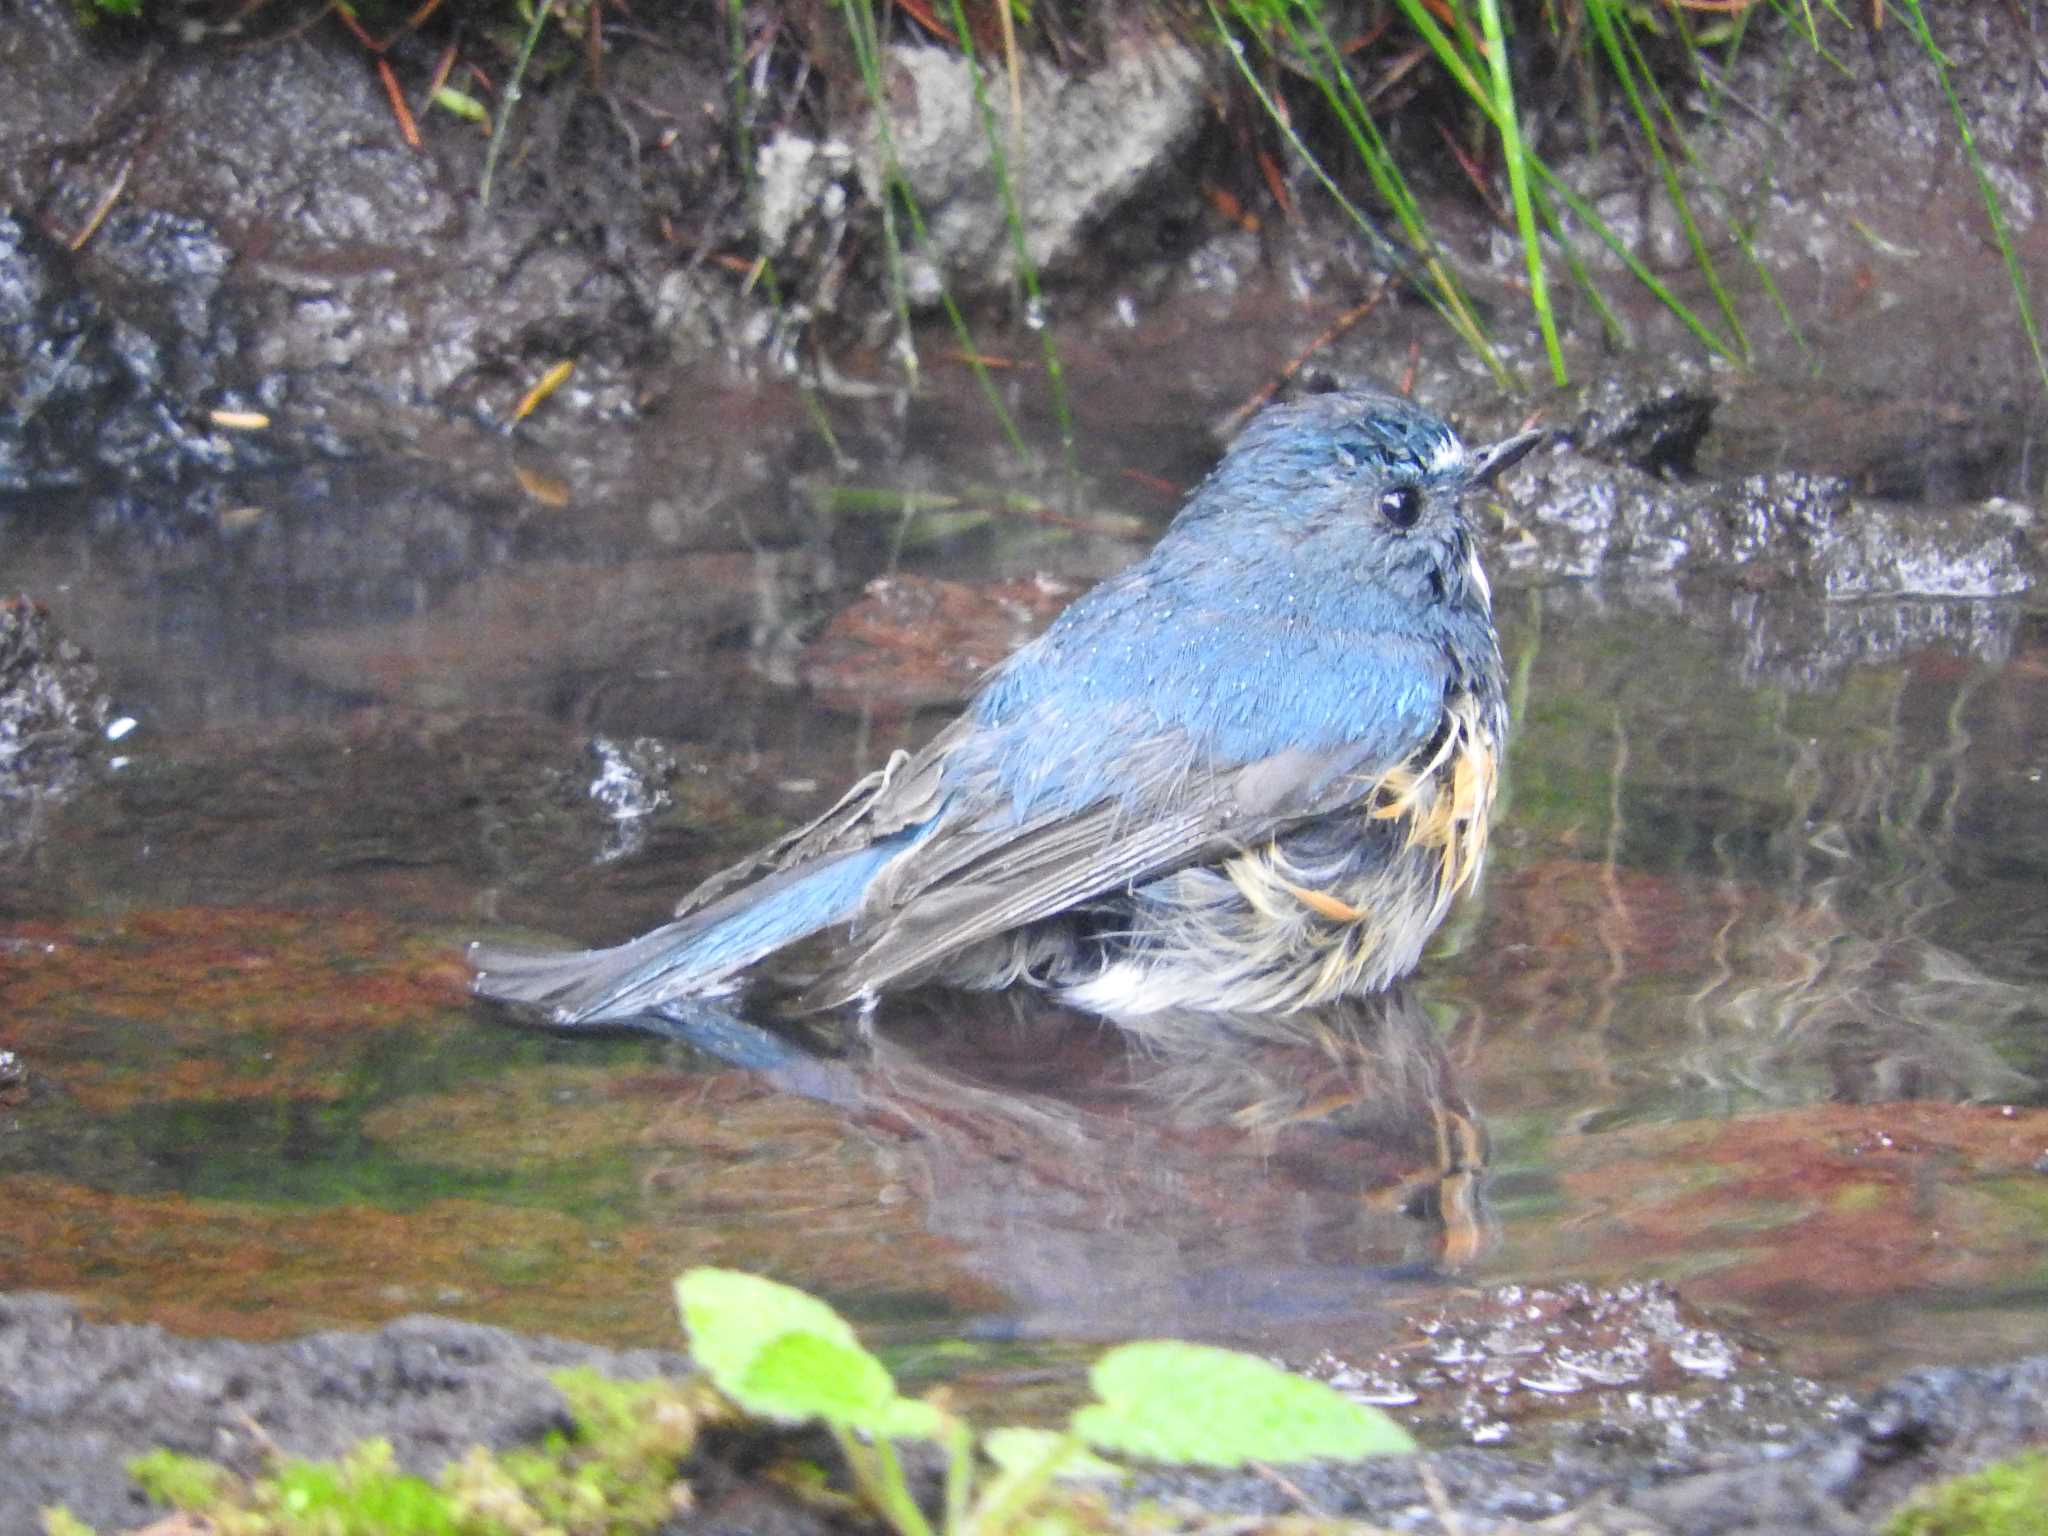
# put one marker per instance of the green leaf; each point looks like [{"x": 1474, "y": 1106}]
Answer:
[
  {"x": 732, "y": 1317},
  {"x": 1193, "y": 1404},
  {"x": 910, "y": 1419},
  {"x": 1016, "y": 1449},
  {"x": 803, "y": 1376},
  {"x": 784, "y": 1355}
]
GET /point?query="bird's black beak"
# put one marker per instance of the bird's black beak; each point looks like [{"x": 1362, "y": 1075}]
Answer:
[{"x": 1489, "y": 463}]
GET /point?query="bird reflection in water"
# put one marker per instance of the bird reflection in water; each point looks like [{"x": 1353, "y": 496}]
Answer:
[{"x": 1200, "y": 1172}]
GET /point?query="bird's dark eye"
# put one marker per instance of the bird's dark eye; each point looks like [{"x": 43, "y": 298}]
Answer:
[{"x": 1401, "y": 506}]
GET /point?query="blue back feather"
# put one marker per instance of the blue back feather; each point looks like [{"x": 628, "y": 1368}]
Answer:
[{"x": 1278, "y": 613}]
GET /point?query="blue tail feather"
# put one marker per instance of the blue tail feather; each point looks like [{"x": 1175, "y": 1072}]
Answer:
[{"x": 696, "y": 956}]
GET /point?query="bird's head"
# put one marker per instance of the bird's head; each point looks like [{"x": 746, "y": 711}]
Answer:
[{"x": 1374, "y": 478}]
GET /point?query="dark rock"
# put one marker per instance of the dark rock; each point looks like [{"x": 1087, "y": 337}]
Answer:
[
  {"x": 276, "y": 248},
  {"x": 1658, "y": 430},
  {"x": 78, "y": 1399},
  {"x": 111, "y": 380},
  {"x": 1765, "y": 1500},
  {"x": 1934, "y": 1424}
]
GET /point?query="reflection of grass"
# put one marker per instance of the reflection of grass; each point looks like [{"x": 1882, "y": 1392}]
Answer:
[
  {"x": 1758, "y": 903},
  {"x": 391, "y": 1133}
]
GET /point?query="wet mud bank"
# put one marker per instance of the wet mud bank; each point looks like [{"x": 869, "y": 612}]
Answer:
[{"x": 218, "y": 257}]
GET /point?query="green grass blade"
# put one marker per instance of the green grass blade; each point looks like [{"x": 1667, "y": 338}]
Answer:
[
  {"x": 867, "y": 54},
  {"x": 742, "y": 100},
  {"x": 1731, "y": 220},
  {"x": 1462, "y": 71},
  {"x": 1454, "y": 311},
  {"x": 743, "y": 150},
  {"x": 1517, "y": 156},
  {"x": 1806, "y": 26},
  {"x": 1610, "y": 322},
  {"x": 1916, "y": 23},
  {"x": 1456, "y": 65},
  {"x": 1583, "y": 211},
  {"x": 1625, "y": 63},
  {"x": 1234, "y": 46},
  {"x": 867, "y": 49},
  {"x": 511, "y": 100},
  {"x": 1341, "y": 92},
  {"x": 1027, "y": 270}
]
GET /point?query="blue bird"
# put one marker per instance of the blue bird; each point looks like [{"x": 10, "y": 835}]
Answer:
[{"x": 1249, "y": 772}]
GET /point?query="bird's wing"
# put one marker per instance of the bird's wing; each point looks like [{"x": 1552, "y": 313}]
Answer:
[
  {"x": 968, "y": 883},
  {"x": 903, "y": 792},
  {"x": 1113, "y": 750}
]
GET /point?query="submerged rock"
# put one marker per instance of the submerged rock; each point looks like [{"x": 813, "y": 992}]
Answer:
[
  {"x": 1629, "y": 1372},
  {"x": 917, "y": 642}
]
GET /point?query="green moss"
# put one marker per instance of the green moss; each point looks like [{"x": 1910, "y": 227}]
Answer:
[
  {"x": 183, "y": 1482},
  {"x": 2007, "y": 1498},
  {"x": 612, "y": 1474},
  {"x": 616, "y": 1472},
  {"x": 366, "y": 1495}
]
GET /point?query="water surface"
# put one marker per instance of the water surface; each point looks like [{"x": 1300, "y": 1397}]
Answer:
[{"x": 1752, "y": 998}]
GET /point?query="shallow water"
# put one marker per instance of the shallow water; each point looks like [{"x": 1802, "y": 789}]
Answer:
[{"x": 1752, "y": 998}]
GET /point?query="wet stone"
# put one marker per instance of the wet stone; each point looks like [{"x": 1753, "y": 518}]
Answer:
[
  {"x": 1578, "y": 518},
  {"x": 1886, "y": 550},
  {"x": 1629, "y": 1368}
]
